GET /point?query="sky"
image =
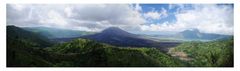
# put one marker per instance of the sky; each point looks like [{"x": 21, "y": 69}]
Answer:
[{"x": 136, "y": 18}]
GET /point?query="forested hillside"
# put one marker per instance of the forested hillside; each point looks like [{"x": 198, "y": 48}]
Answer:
[
  {"x": 91, "y": 53},
  {"x": 214, "y": 53},
  {"x": 25, "y": 48},
  {"x": 82, "y": 52}
]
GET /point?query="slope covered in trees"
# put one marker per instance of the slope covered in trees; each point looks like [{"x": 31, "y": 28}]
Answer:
[
  {"x": 215, "y": 53},
  {"x": 24, "y": 48},
  {"x": 83, "y": 52},
  {"x": 92, "y": 53}
]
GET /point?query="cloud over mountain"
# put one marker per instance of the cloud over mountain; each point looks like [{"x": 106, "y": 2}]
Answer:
[
  {"x": 89, "y": 17},
  {"x": 131, "y": 17}
]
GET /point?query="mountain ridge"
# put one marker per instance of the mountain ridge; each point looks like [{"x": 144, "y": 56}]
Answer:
[
  {"x": 53, "y": 33},
  {"x": 15, "y": 34}
]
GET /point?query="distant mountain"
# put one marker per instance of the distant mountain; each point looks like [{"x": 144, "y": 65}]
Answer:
[
  {"x": 53, "y": 33},
  {"x": 119, "y": 37},
  {"x": 190, "y": 34},
  {"x": 195, "y": 34},
  {"x": 117, "y": 31},
  {"x": 18, "y": 36}
]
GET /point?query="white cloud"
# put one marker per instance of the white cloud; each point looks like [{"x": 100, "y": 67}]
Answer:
[
  {"x": 68, "y": 11},
  {"x": 155, "y": 14},
  {"x": 18, "y": 7},
  {"x": 206, "y": 18},
  {"x": 87, "y": 16},
  {"x": 54, "y": 18},
  {"x": 138, "y": 7},
  {"x": 152, "y": 15}
]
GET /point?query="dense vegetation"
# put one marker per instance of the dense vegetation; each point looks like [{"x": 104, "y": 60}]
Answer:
[
  {"x": 214, "y": 53},
  {"x": 91, "y": 53},
  {"x": 24, "y": 48},
  {"x": 82, "y": 52}
]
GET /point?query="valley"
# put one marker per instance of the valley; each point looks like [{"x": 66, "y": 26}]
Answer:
[{"x": 112, "y": 47}]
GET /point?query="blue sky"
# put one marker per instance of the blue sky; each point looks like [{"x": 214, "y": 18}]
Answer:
[
  {"x": 171, "y": 11},
  {"x": 197, "y": 14},
  {"x": 136, "y": 18},
  {"x": 158, "y": 7}
]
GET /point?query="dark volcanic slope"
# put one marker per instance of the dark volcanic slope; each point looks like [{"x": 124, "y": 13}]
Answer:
[{"x": 118, "y": 37}]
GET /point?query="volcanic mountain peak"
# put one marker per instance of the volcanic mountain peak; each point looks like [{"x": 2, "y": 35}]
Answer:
[
  {"x": 116, "y": 31},
  {"x": 192, "y": 31},
  {"x": 113, "y": 29}
]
